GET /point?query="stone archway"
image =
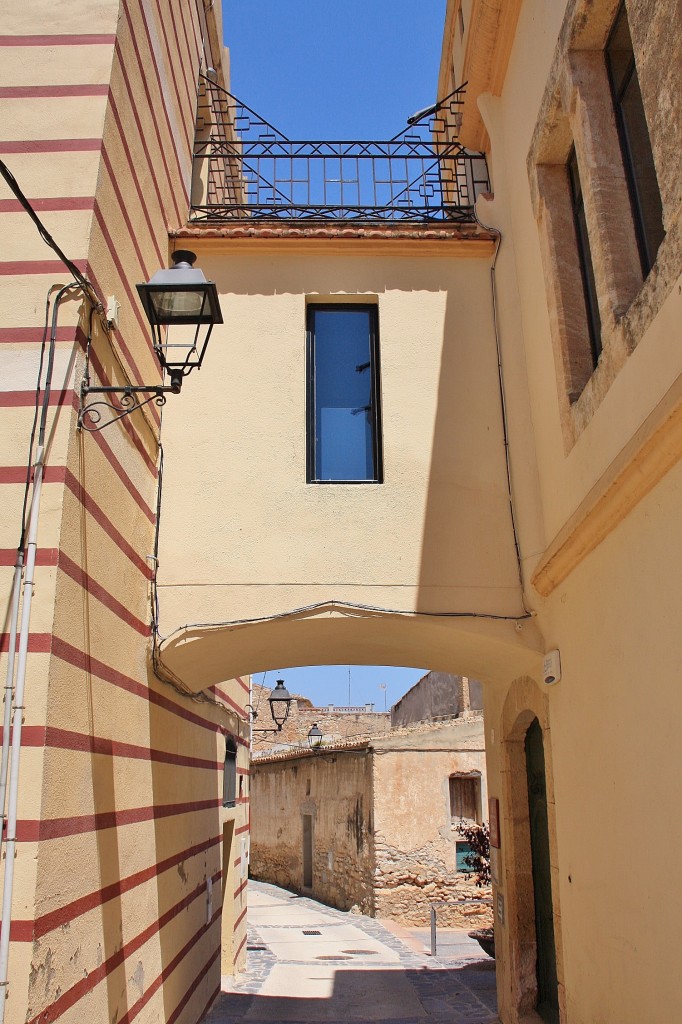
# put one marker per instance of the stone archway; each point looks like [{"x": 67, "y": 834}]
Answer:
[{"x": 494, "y": 650}]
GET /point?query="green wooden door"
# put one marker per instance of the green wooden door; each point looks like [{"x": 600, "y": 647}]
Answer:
[{"x": 548, "y": 999}]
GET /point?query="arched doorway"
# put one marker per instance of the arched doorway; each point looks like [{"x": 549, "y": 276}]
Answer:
[
  {"x": 545, "y": 970},
  {"x": 530, "y": 967}
]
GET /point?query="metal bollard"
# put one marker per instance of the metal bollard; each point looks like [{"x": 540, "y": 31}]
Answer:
[{"x": 433, "y": 930}]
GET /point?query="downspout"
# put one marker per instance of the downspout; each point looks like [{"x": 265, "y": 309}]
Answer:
[{"x": 22, "y": 657}]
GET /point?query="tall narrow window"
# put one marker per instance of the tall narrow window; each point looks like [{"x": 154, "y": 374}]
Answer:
[
  {"x": 230, "y": 774},
  {"x": 344, "y": 422},
  {"x": 585, "y": 256},
  {"x": 635, "y": 144}
]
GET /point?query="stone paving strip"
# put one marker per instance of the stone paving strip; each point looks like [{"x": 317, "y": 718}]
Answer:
[{"x": 311, "y": 964}]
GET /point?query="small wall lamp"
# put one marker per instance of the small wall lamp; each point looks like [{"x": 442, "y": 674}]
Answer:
[
  {"x": 315, "y": 736},
  {"x": 177, "y": 297}
]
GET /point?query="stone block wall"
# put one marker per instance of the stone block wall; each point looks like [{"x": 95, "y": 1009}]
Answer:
[{"x": 437, "y": 695}]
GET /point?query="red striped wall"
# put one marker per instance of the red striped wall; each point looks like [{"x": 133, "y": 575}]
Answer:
[{"x": 108, "y": 722}]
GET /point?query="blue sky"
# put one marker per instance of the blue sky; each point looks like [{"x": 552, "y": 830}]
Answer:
[
  {"x": 335, "y": 70},
  {"x": 355, "y": 69},
  {"x": 329, "y": 684}
]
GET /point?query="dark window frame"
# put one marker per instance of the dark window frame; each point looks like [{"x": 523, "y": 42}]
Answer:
[
  {"x": 619, "y": 90},
  {"x": 375, "y": 388},
  {"x": 230, "y": 774},
  {"x": 582, "y": 240}
]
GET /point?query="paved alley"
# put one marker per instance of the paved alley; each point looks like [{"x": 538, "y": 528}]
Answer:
[{"x": 310, "y": 963}]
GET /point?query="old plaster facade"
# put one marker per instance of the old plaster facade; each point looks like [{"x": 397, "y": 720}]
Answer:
[{"x": 373, "y": 825}]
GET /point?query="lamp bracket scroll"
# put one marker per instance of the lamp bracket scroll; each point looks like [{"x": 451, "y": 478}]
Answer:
[{"x": 99, "y": 414}]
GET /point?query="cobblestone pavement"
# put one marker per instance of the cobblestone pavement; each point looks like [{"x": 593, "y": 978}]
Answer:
[{"x": 311, "y": 964}]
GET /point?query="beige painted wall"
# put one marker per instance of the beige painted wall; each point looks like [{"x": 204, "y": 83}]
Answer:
[{"x": 607, "y": 593}]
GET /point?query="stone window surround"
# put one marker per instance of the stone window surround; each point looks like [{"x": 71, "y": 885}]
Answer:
[{"x": 577, "y": 109}]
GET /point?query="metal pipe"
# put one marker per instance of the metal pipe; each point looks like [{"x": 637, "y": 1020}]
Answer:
[
  {"x": 9, "y": 683},
  {"x": 433, "y": 930},
  {"x": 11, "y": 841},
  {"x": 22, "y": 658}
]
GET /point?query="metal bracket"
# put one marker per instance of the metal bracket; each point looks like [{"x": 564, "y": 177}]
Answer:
[{"x": 101, "y": 413}]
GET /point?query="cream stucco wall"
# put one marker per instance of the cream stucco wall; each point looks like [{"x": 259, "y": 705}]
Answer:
[
  {"x": 434, "y": 538},
  {"x": 604, "y": 582}
]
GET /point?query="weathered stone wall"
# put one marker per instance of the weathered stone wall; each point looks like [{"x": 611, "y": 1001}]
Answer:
[
  {"x": 407, "y": 884},
  {"x": 437, "y": 695},
  {"x": 335, "y": 790},
  {"x": 414, "y": 835}
]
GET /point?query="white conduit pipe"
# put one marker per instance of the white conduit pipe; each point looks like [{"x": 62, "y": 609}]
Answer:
[
  {"x": 22, "y": 658},
  {"x": 9, "y": 683},
  {"x": 11, "y": 841}
]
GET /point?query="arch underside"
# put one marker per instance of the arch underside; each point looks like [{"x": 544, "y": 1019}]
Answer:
[{"x": 484, "y": 648}]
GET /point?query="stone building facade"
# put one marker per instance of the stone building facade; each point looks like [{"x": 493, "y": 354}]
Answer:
[
  {"x": 376, "y": 820},
  {"x": 437, "y": 695}
]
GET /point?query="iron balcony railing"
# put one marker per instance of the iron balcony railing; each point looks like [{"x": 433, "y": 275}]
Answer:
[{"x": 244, "y": 169}]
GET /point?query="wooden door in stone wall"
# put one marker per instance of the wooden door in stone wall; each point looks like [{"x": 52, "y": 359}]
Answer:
[{"x": 548, "y": 999}]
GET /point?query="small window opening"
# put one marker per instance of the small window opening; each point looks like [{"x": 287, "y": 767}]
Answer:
[
  {"x": 462, "y": 850},
  {"x": 461, "y": 22}
]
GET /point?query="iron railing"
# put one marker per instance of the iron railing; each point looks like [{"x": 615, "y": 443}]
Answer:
[{"x": 244, "y": 169}]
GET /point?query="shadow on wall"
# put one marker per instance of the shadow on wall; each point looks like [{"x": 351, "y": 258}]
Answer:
[
  {"x": 468, "y": 539},
  {"x": 188, "y": 846}
]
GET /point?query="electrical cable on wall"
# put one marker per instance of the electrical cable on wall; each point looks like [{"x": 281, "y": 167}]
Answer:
[{"x": 503, "y": 402}]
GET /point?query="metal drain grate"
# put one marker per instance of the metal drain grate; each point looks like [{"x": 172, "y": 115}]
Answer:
[
  {"x": 311, "y": 931},
  {"x": 256, "y": 949}
]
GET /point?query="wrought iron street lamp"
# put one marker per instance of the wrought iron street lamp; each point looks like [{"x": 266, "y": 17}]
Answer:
[
  {"x": 180, "y": 296},
  {"x": 280, "y": 704},
  {"x": 175, "y": 298},
  {"x": 280, "y": 701}
]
